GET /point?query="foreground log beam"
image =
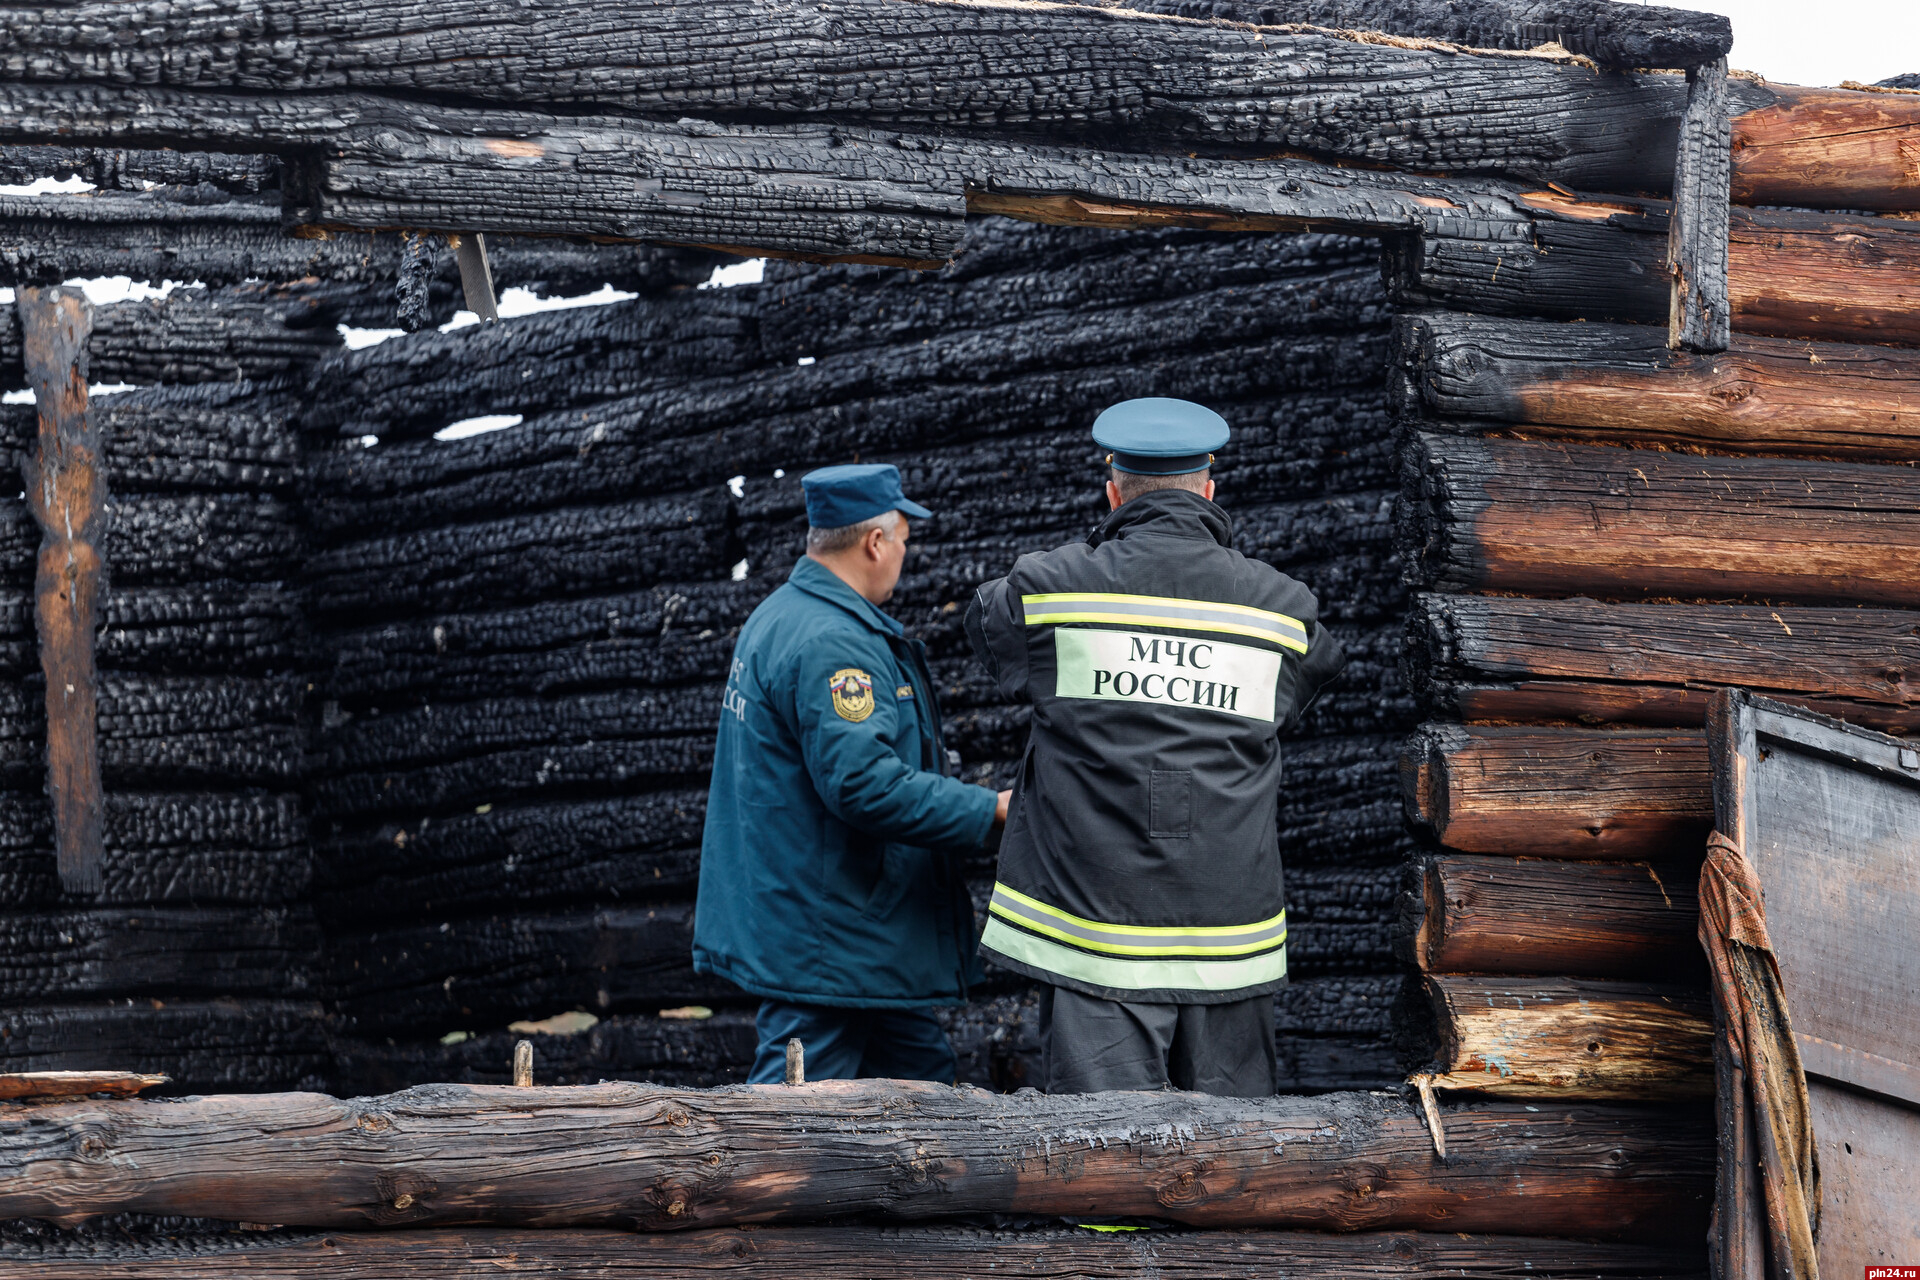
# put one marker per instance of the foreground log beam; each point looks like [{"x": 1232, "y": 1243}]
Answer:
[
  {"x": 1524, "y": 915},
  {"x": 849, "y": 1253},
  {"x": 1619, "y": 383},
  {"x": 1501, "y": 658},
  {"x": 1562, "y": 519},
  {"x": 645, "y": 1157},
  {"x": 1565, "y": 793},
  {"x": 1571, "y": 1038}
]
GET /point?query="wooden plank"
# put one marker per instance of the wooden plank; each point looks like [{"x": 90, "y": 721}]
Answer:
[
  {"x": 1868, "y": 1172},
  {"x": 1700, "y": 315},
  {"x": 1829, "y": 149},
  {"x": 1504, "y": 658},
  {"x": 66, "y": 488},
  {"x": 1563, "y": 519},
  {"x": 648, "y": 1158},
  {"x": 71, "y": 1084},
  {"x": 1571, "y": 1038},
  {"x": 1791, "y": 273},
  {"x": 1615, "y": 795},
  {"x": 849, "y": 1253},
  {"x": 1619, "y": 383},
  {"x": 1539, "y": 916}
]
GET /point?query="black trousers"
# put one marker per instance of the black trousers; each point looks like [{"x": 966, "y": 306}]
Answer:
[{"x": 1089, "y": 1045}]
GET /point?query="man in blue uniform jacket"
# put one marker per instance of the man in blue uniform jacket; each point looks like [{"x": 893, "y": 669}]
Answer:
[{"x": 828, "y": 885}]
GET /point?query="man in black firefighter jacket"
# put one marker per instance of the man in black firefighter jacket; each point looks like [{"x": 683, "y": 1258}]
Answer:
[{"x": 1139, "y": 875}]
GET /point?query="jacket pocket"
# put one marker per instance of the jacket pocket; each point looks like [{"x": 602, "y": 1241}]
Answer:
[
  {"x": 896, "y": 877},
  {"x": 1169, "y": 803}
]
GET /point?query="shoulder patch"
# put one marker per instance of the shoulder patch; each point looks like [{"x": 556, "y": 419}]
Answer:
[{"x": 852, "y": 691}]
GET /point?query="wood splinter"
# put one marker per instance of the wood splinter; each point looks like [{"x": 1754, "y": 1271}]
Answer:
[
  {"x": 523, "y": 1065},
  {"x": 476, "y": 274},
  {"x": 1424, "y": 1083},
  {"x": 796, "y": 1062}
]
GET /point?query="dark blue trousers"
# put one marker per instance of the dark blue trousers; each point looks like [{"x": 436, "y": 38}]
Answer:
[{"x": 852, "y": 1044}]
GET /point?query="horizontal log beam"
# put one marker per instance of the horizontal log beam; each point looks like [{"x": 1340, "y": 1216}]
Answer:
[
  {"x": 648, "y": 1158},
  {"x": 1791, "y": 273},
  {"x": 1620, "y": 384},
  {"x": 1564, "y": 793},
  {"x": 1571, "y": 1038},
  {"x": 1547, "y": 916},
  {"x": 1564, "y": 519},
  {"x": 1504, "y": 658},
  {"x": 1828, "y": 149},
  {"x": 846, "y": 1253}
]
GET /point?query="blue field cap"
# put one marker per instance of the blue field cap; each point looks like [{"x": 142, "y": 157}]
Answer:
[
  {"x": 840, "y": 496},
  {"x": 1156, "y": 436}
]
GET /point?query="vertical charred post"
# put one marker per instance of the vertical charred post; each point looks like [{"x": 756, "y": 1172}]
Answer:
[
  {"x": 66, "y": 487},
  {"x": 1700, "y": 318}
]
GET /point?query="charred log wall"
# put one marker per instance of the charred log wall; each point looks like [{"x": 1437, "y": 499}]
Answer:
[{"x": 526, "y": 631}]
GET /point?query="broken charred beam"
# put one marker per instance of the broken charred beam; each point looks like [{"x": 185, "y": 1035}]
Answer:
[
  {"x": 1619, "y": 383},
  {"x": 1566, "y": 519},
  {"x": 1500, "y": 658},
  {"x": 201, "y": 952},
  {"x": 66, "y": 491},
  {"x": 842, "y": 1253},
  {"x": 1700, "y": 316},
  {"x": 1826, "y": 148},
  {"x": 1568, "y": 793},
  {"x": 1566, "y": 1038},
  {"x": 478, "y": 1155},
  {"x": 1535, "y": 916},
  {"x": 206, "y": 1046},
  {"x": 1622, "y": 39},
  {"x": 1791, "y": 273},
  {"x": 116, "y": 169}
]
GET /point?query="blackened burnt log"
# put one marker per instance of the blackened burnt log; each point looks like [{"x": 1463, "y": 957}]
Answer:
[
  {"x": 1700, "y": 315},
  {"x": 148, "y": 951},
  {"x": 1619, "y": 383},
  {"x": 671, "y": 1159},
  {"x": 168, "y": 730},
  {"x": 179, "y": 538},
  {"x": 1791, "y": 273},
  {"x": 1572, "y": 519},
  {"x": 118, "y": 169},
  {"x": 842, "y": 1253},
  {"x": 1568, "y": 1038},
  {"x": 1548, "y": 916},
  {"x": 1568, "y": 793},
  {"x": 206, "y": 1045},
  {"x": 208, "y": 628},
  {"x": 1500, "y": 658}
]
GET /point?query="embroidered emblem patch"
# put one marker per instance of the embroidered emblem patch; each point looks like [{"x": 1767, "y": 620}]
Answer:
[
  {"x": 852, "y": 693},
  {"x": 904, "y": 692}
]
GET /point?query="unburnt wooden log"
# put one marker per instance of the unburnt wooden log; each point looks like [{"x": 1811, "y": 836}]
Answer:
[
  {"x": 148, "y": 951},
  {"x": 205, "y": 1046},
  {"x": 1500, "y": 658},
  {"x": 1571, "y": 1038},
  {"x": 1791, "y": 273},
  {"x": 1826, "y": 149},
  {"x": 1544, "y": 916},
  {"x": 1619, "y": 383},
  {"x": 839, "y": 1253},
  {"x": 1699, "y": 317},
  {"x": 1611, "y": 795},
  {"x": 478, "y": 1155},
  {"x": 65, "y": 489},
  {"x": 1562, "y": 519}
]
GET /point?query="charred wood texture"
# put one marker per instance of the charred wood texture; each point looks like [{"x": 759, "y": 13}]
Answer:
[
  {"x": 1572, "y": 1038},
  {"x": 834, "y": 1253},
  {"x": 1613, "y": 795},
  {"x": 476, "y": 1155},
  {"x": 1791, "y": 273},
  {"x": 1559, "y": 519},
  {"x": 206, "y": 1046},
  {"x": 65, "y": 489},
  {"x": 1496, "y": 658},
  {"x": 1544, "y": 916},
  {"x": 1619, "y": 383},
  {"x": 1700, "y": 315},
  {"x": 155, "y": 951},
  {"x": 116, "y": 169}
]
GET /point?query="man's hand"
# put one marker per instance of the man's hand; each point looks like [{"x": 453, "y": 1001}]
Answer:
[{"x": 1000, "y": 809}]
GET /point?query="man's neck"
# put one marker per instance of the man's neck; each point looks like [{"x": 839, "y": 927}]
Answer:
[{"x": 848, "y": 573}]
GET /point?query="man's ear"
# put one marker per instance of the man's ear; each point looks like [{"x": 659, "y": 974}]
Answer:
[{"x": 875, "y": 536}]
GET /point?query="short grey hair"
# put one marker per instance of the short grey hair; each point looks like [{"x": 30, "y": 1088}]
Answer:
[
  {"x": 824, "y": 542},
  {"x": 1132, "y": 484}
]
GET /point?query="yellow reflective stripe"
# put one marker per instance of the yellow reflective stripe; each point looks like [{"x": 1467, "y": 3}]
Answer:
[
  {"x": 1132, "y": 975},
  {"x": 1082, "y": 925},
  {"x": 1173, "y": 612}
]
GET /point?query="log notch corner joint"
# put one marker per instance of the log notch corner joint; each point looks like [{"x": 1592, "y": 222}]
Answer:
[
  {"x": 1700, "y": 317},
  {"x": 66, "y": 489}
]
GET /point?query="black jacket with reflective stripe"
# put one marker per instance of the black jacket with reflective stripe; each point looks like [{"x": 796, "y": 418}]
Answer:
[{"x": 1141, "y": 859}]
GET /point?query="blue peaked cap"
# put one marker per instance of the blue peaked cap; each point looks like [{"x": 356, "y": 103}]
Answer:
[
  {"x": 840, "y": 496},
  {"x": 1157, "y": 436}
]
